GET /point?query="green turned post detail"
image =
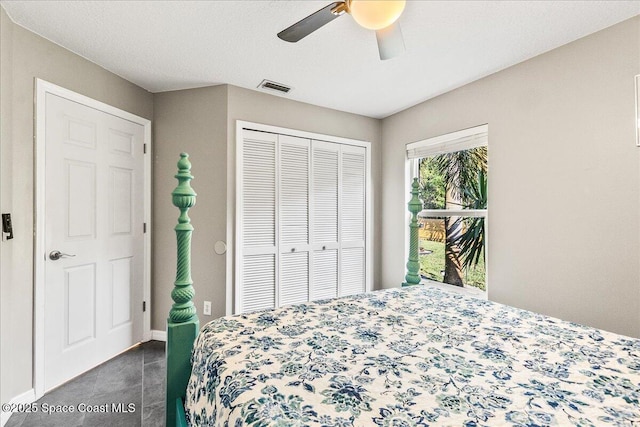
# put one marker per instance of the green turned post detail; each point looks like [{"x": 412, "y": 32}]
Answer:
[
  {"x": 413, "y": 264},
  {"x": 183, "y": 324},
  {"x": 184, "y": 198}
]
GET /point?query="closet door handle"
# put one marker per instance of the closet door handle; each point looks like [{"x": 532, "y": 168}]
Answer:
[{"x": 293, "y": 249}]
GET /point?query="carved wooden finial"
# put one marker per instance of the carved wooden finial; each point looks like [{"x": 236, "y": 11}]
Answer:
[
  {"x": 413, "y": 264},
  {"x": 184, "y": 198}
]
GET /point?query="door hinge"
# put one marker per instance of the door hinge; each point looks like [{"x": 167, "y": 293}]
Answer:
[
  {"x": 144, "y": 148},
  {"x": 144, "y": 227},
  {"x": 144, "y": 306}
]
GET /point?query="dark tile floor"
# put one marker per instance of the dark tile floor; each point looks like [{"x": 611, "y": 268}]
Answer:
[{"x": 135, "y": 377}]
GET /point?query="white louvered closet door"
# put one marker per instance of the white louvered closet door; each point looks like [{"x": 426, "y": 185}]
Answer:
[
  {"x": 353, "y": 168},
  {"x": 257, "y": 253},
  {"x": 301, "y": 229},
  {"x": 324, "y": 229},
  {"x": 294, "y": 160}
]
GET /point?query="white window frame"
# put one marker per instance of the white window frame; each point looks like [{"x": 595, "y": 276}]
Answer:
[{"x": 461, "y": 140}]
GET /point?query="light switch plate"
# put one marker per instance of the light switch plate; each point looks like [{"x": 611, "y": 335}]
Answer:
[{"x": 207, "y": 308}]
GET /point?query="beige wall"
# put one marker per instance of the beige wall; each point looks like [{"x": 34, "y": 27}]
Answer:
[
  {"x": 192, "y": 121},
  {"x": 562, "y": 157},
  {"x": 6, "y": 254},
  {"x": 24, "y": 57},
  {"x": 202, "y": 122}
]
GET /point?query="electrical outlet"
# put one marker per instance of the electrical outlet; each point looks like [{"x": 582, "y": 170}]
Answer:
[{"x": 207, "y": 308}]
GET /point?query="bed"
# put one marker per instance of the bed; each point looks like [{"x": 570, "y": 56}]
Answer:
[{"x": 410, "y": 356}]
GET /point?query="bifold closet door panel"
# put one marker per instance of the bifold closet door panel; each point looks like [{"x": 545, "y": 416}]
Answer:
[
  {"x": 325, "y": 183},
  {"x": 256, "y": 272},
  {"x": 293, "y": 218},
  {"x": 353, "y": 168}
]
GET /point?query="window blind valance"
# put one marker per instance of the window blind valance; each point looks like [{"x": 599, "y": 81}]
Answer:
[{"x": 456, "y": 141}]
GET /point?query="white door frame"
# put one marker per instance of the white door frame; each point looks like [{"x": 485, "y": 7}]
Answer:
[{"x": 41, "y": 89}]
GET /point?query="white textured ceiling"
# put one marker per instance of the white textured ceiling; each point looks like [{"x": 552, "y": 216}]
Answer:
[{"x": 169, "y": 45}]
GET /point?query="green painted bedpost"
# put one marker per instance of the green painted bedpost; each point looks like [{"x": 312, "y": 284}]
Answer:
[
  {"x": 183, "y": 324},
  {"x": 413, "y": 264}
]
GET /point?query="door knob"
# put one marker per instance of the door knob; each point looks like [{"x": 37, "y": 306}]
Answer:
[{"x": 56, "y": 255}]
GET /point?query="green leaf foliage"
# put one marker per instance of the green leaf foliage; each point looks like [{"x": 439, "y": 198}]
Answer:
[
  {"x": 472, "y": 240},
  {"x": 432, "y": 184}
]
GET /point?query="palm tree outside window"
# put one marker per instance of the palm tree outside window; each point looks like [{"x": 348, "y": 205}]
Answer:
[{"x": 452, "y": 171}]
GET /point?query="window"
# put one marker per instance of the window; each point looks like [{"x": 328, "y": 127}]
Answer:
[{"x": 452, "y": 172}]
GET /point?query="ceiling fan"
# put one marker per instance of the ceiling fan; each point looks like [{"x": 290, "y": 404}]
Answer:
[{"x": 379, "y": 15}]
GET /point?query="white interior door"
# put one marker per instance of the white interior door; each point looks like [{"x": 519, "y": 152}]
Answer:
[{"x": 94, "y": 214}]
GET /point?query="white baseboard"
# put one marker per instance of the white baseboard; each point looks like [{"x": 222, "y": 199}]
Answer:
[
  {"x": 159, "y": 335},
  {"x": 24, "y": 398}
]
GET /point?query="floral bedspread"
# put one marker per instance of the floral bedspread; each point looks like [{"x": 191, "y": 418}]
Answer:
[{"x": 417, "y": 356}]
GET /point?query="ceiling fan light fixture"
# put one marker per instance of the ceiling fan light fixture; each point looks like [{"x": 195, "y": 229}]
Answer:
[
  {"x": 376, "y": 14},
  {"x": 339, "y": 9}
]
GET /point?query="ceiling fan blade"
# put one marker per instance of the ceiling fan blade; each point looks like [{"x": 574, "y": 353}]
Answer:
[
  {"x": 390, "y": 41},
  {"x": 308, "y": 25}
]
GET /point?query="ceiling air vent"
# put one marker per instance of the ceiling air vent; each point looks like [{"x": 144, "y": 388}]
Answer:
[{"x": 278, "y": 87}]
